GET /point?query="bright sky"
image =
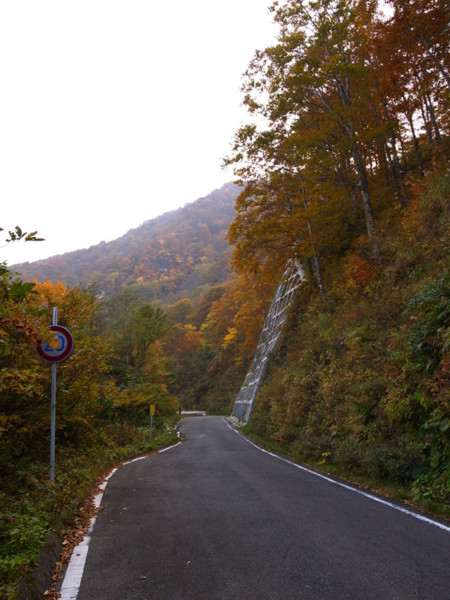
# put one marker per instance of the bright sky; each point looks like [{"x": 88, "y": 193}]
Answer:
[{"x": 115, "y": 111}]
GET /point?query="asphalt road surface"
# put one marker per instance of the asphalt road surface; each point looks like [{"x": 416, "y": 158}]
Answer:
[{"x": 217, "y": 519}]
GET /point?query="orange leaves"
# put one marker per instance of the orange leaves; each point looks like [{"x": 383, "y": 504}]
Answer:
[
  {"x": 234, "y": 322},
  {"x": 193, "y": 339},
  {"x": 348, "y": 101},
  {"x": 269, "y": 227},
  {"x": 184, "y": 339},
  {"x": 360, "y": 273},
  {"x": 20, "y": 328},
  {"x": 175, "y": 340}
]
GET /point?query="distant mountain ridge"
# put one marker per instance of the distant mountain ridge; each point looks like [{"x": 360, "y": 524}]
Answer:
[{"x": 164, "y": 258}]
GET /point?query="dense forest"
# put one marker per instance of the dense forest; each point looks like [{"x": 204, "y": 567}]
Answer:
[{"x": 343, "y": 165}]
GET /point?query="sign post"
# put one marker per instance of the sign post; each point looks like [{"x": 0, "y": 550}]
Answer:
[
  {"x": 152, "y": 412},
  {"x": 55, "y": 351},
  {"x": 53, "y": 410}
]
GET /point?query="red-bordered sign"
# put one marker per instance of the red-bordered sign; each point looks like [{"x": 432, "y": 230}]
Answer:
[{"x": 60, "y": 349}]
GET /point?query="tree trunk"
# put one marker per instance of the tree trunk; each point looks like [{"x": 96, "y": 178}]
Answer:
[
  {"x": 349, "y": 130},
  {"x": 430, "y": 109},
  {"x": 426, "y": 123},
  {"x": 365, "y": 197},
  {"x": 310, "y": 270},
  {"x": 416, "y": 143},
  {"x": 444, "y": 73},
  {"x": 315, "y": 255},
  {"x": 319, "y": 275},
  {"x": 396, "y": 172}
]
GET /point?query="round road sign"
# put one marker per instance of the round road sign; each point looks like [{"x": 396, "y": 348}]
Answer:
[{"x": 60, "y": 348}]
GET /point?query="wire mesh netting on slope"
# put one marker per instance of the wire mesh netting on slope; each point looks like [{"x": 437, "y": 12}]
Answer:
[{"x": 276, "y": 317}]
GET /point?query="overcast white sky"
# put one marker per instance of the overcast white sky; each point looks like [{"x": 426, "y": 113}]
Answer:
[{"x": 115, "y": 111}]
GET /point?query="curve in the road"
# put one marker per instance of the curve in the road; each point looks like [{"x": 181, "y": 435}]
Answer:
[{"x": 346, "y": 486}]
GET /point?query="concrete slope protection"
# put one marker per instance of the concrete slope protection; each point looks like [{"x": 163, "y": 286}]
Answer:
[{"x": 215, "y": 518}]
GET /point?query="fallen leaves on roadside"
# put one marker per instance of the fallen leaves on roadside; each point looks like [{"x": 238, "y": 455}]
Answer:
[{"x": 74, "y": 535}]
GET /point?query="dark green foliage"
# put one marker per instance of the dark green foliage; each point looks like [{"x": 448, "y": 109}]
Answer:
[{"x": 430, "y": 309}]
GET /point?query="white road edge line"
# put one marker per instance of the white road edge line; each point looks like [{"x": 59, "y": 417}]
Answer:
[
  {"x": 74, "y": 573},
  {"x": 343, "y": 485}
]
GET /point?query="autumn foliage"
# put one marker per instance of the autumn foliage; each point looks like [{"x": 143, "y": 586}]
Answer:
[
  {"x": 344, "y": 163},
  {"x": 343, "y": 166}
]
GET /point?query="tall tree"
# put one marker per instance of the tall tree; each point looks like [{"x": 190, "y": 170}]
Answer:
[{"x": 312, "y": 86}]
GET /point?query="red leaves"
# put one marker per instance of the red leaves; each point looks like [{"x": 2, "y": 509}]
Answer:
[{"x": 360, "y": 273}]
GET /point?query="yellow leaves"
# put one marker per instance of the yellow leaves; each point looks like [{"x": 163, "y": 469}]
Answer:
[
  {"x": 230, "y": 338},
  {"x": 23, "y": 382},
  {"x": 130, "y": 397},
  {"x": 325, "y": 456},
  {"x": 54, "y": 342},
  {"x": 50, "y": 292}
]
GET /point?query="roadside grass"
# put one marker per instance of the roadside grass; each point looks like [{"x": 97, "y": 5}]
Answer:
[{"x": 32, "y": 508}]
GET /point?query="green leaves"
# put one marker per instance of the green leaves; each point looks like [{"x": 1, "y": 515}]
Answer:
[
  {"x": 19, "y": 289},
  {"x": 17, "y": 234},
  {"x": 428, "y": 336}
]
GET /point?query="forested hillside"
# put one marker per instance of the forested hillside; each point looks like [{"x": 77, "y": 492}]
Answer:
[
  {"x": 130, "y": 353},
  {"x": 344, "y": 166},
  {"x": 346, "y": 169},
  {"x": 166, "y": 258}
]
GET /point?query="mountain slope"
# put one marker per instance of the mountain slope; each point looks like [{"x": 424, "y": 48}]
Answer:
[{"x": 166, "y": 258}]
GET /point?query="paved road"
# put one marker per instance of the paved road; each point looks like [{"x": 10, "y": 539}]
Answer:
[{"x": 217, "y": 519}]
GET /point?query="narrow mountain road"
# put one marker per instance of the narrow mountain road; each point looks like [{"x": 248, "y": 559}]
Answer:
[{"x": 215, "y": 518}]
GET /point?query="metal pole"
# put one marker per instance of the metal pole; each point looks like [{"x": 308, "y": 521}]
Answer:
[
  {"x": 53, "y": 410},
  {"x": 52, "y": 425},
  {"x": 151, "y": 425}
]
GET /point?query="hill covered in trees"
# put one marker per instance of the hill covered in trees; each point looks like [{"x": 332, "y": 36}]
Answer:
[
  {"x": 345, "y": 169},
  {"x": 164, "y": 259}
]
